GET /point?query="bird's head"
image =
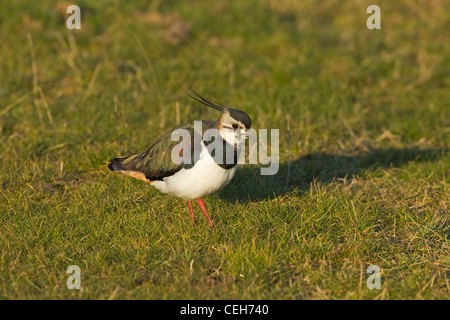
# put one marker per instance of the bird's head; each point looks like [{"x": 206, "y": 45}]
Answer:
[{"x": 232, "y": 122}]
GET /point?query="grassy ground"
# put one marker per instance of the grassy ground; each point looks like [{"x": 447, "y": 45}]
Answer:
[{"x": 364, "y": 119}]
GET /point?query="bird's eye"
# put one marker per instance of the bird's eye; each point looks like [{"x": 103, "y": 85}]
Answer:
[{"x": 235, "y": 126}]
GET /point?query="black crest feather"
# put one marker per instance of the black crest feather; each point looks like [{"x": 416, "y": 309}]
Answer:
[{"x": 210, "y": 103}]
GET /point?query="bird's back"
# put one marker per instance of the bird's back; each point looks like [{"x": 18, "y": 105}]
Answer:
[{"x": 157, "y": 162}]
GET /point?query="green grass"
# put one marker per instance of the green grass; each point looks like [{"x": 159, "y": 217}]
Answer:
[{"x": 364, "y": 179}]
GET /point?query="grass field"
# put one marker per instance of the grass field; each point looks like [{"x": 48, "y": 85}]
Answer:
[{"x": 364, "y": 120}]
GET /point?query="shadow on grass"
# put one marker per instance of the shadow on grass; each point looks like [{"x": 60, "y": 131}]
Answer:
[{"x": 249, "y": 185}]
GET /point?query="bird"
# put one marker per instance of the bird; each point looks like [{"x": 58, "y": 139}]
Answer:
[{"x": 199, "y": 168}]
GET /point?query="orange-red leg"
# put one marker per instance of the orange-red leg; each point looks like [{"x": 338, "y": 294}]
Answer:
[
  {"x": 191, "y": 211},
  {"x": 202, "y": 206}
]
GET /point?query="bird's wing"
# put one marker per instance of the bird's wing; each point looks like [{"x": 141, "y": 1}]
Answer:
[{"x": 157, "y": 161}]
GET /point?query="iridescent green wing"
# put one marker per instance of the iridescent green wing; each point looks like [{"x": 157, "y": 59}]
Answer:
[{"x": 166, "y": 157}]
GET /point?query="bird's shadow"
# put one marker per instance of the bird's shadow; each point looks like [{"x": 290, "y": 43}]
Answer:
[{"x": 249, "y": 185}]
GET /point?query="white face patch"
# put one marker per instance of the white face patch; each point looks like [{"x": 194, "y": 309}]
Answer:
[
  {"x": 232, "y": 136},
  {"x": 231, "y": 130},
  {"x": 227, "y": 122}
]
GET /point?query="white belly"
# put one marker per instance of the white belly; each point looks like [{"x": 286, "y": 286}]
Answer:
[{"x": 203, "y": 178}]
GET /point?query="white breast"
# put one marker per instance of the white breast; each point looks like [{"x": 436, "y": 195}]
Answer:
[{"x": 203, "y": 178}]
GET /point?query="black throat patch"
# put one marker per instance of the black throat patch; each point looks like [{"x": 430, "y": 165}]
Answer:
[{"x": 229, "y": 157}]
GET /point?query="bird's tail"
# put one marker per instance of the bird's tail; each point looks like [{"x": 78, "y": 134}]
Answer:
[
  {"x": 127, "y": 165},
  {"x": 116, "y": 164},
  {"x": 119, "y": 164}
]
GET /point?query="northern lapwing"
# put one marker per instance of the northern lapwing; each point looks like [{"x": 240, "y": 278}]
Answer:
[{"x": 201, "y": 171}]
